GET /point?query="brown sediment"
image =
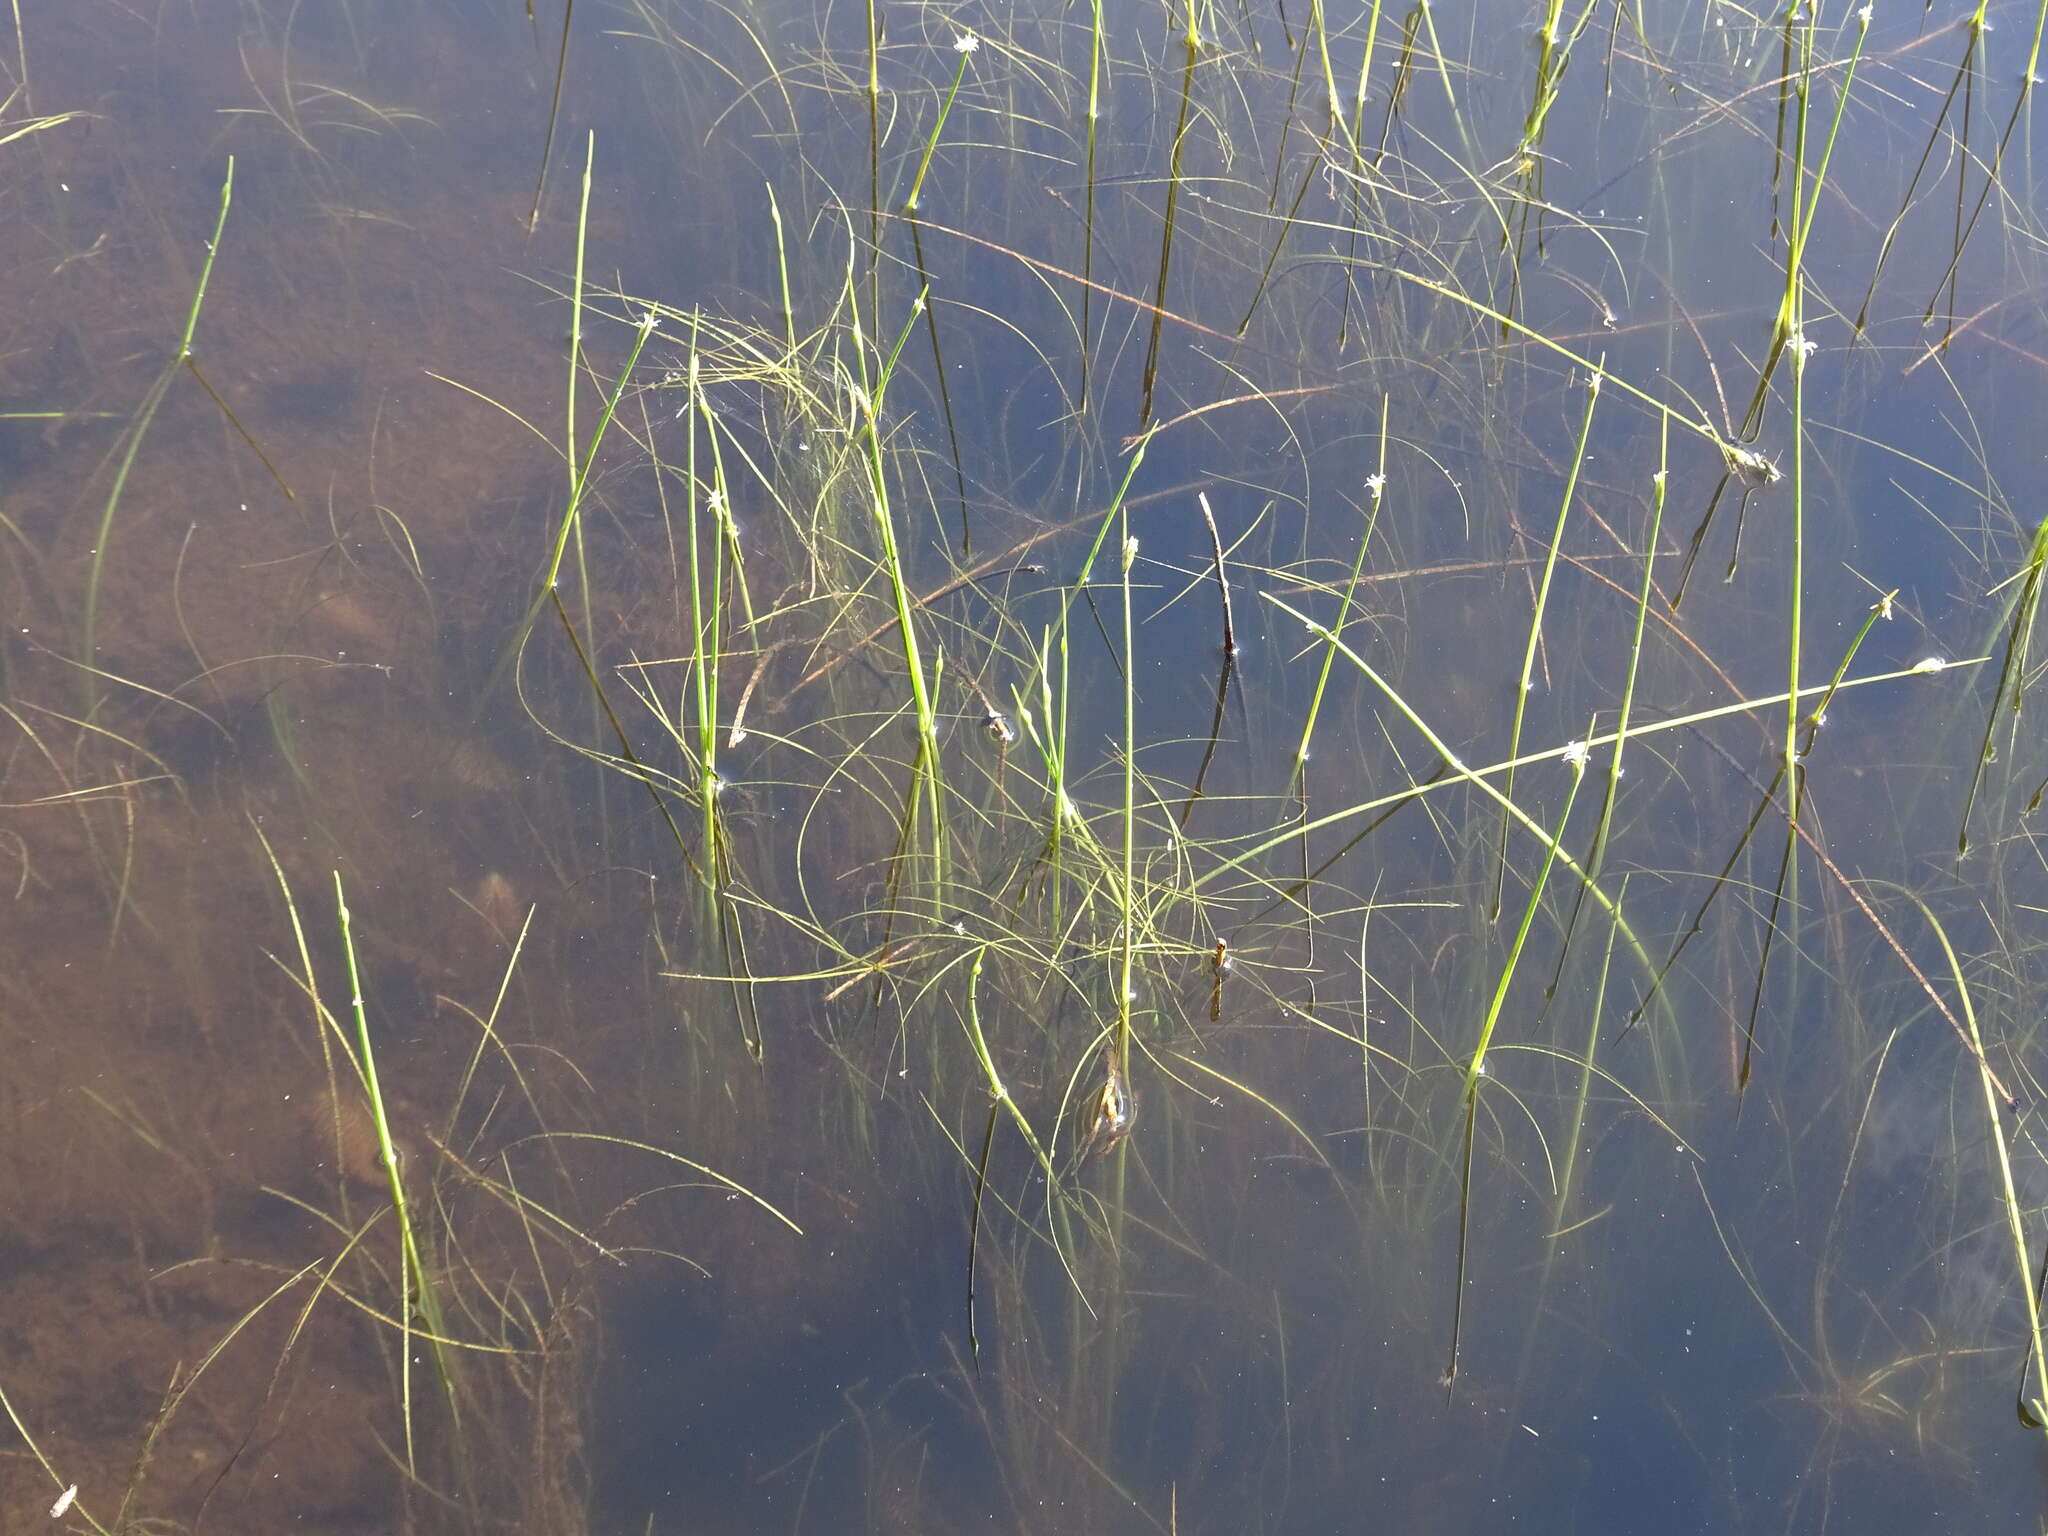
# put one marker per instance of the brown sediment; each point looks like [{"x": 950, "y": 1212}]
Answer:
[
  {"x": 341, "y": 1138},
  {"x": 353, "y": 626},
  {"x": 499, "y": 902}
]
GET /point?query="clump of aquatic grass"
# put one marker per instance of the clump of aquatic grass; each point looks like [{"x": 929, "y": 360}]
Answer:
[
  {"x": 817, "y": 470},
  {"x": 418, "y": 1301},
  {"x": 496, "y": 1276}
]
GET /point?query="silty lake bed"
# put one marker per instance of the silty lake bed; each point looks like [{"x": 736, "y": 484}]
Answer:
[{"x": 939, "y": 767}]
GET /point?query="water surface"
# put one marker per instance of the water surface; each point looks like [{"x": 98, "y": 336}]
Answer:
[{"x": 1426, "y": 1195}]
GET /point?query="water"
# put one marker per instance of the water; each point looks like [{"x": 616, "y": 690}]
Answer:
[{"x": 724, "y": 1223}]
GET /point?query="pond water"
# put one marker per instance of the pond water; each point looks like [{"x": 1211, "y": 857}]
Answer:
[{"x": 1183, "y": 768}]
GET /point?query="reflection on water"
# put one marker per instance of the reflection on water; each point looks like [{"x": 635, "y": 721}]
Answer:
[{"x": 824, "y": 1103}]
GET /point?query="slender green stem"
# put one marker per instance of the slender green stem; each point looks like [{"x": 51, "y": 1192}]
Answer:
[
  {"x": 1096, "y": 46},
  {"x": 1475, "y": 1068},
  {"x": 419, "y": 1284},
  {"x": 964, "y": 45},
  {"x": 996, "y": 1087},
  {"x": 873, "y": 394},
  {"x": 1375, "y": 488},
  {"x": 581, "y": 482},
  {"x": 706, "y": 641},
  {"x": 576, "y": 315},
  {"x": 1127, "y": 896},
  {"x": 2034, "y": 1409},
  {"x": 1528, "y": 678},
  {"x": 782, "y": 267}
]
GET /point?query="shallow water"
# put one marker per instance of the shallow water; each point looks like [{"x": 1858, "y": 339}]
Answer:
[{"x": 725, "y": 1225}]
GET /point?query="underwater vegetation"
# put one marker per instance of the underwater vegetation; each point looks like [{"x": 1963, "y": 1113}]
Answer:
[{"x": 906, "y": 767}]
